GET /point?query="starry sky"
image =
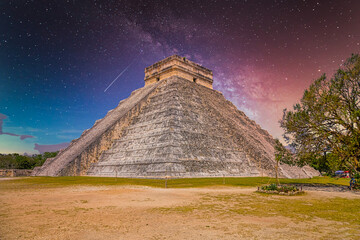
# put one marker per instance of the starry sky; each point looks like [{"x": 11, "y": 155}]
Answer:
[{"x": 57, "y": 58}]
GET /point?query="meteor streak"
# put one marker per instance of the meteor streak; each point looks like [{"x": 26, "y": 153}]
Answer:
[
  {"x": 117, "y": 77},
  {"x": 122, "y": 72}
]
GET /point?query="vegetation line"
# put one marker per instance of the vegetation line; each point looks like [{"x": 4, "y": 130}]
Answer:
[{"x": 49, "y": 182}]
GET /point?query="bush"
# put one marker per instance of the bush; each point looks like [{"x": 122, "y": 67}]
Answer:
[
  {"x": 279, "y": 189},
  {"x": 271, "y": 187},
  {"x": 288, "y": 189}
]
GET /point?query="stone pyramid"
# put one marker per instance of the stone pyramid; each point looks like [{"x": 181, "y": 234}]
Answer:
[{"x": 175, "y": 126}]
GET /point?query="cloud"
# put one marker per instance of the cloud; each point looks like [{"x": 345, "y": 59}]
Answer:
[
  {"x": 22, "y": 137},
  {"x": 256, "y": 92},
  {"x": 50, "y": 148}
]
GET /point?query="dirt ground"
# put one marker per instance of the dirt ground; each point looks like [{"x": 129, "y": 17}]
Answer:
[{"x": 130, "y": 212}]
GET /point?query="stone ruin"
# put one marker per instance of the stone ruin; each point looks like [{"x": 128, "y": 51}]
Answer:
[{"x": 175, "y": 126}]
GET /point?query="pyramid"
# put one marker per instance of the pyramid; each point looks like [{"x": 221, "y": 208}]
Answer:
[{"x": 175, "y": 126}]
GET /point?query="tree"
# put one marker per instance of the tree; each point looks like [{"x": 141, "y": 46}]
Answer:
[
  {"x": 17, "y": 161},
  {"x": 327, "y": 119},
  {"x": 23, "y": 162}
]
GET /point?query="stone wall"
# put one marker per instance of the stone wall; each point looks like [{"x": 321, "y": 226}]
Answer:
[
  {"x": 180, "y": 67},
  {"x": 15, "y": 172}
]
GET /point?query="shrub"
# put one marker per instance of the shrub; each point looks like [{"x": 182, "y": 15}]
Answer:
[
  {"x": 271, "y": 187},
  {"x": 280, "y": 189}
]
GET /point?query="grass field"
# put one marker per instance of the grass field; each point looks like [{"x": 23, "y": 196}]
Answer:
[
  {"x": 44, "y": 182},
  {"x": 197, "y": 208}
]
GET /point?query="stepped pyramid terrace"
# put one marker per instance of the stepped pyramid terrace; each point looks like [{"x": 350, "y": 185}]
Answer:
[{"x": 177, "y": 126}]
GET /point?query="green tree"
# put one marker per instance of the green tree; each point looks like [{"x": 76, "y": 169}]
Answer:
[
  {"x": 7, "y": 161},
  {"x": 17, "y": 161},
  {"x": 327, "y": 119},
  {"x": 23, "y": 162},
  {"x": 42, "y": 157}
]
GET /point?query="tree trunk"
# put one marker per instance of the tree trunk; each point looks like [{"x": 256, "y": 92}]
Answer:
[{"x": 277, "y": 173}]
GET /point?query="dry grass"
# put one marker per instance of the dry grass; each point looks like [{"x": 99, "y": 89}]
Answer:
[
  {"x": 39, "y": 209},
  {"x": 52, "y": 182}
]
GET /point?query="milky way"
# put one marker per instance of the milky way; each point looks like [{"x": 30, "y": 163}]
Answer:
[{"x": 57, "y": 57}]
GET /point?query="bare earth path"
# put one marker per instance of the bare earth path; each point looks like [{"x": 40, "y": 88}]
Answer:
[{"x": 129, "y": 212}]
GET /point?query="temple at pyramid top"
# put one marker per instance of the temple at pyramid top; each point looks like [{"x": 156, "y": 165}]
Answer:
[{"x": 181, "y": 67}]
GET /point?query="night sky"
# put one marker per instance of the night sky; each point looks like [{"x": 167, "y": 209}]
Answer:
[{"x": 58, "y": 57}]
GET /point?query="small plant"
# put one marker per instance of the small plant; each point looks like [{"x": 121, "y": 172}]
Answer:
[
  {"x": 287, "y": 189},
  {"x": 271, "y": 187},
  {"x": 278, "y": 189}
]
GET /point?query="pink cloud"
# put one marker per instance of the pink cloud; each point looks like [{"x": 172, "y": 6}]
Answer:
[{"x": 22, "y": 137}]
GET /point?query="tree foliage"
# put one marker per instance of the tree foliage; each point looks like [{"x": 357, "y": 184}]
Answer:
[
  {"x": 327, "y": 119},
  {"x": 17, "y": 161}
]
